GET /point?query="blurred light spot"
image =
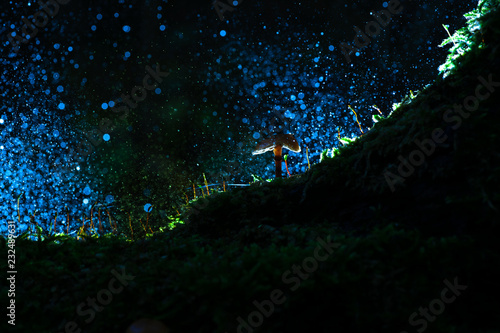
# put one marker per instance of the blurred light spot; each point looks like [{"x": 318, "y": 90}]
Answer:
[
  {"x": 256, "y": 135},
  {"x": 106, "y": 137},
  {"x": 147, "y": 207},
  {"x": 126, "y": 28},
  {"x": 223, "y": 33}
]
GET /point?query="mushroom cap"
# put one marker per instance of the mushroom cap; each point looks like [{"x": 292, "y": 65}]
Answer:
[{"x": 288, "y": 141}]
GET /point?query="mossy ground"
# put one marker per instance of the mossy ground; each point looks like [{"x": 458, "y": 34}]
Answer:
[{"x": 395, "y": 247}]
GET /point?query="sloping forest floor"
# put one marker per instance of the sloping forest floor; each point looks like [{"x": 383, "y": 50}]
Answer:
[{"x": 395, "y": 231}]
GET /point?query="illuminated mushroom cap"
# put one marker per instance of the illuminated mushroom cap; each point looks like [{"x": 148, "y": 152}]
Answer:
[{"x": 288, "y": 141}]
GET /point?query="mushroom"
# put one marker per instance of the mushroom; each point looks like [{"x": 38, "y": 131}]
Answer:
[{"x": 276, "y": 143}]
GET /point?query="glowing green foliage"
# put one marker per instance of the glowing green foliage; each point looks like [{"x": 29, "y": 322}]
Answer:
[{"x": 466, "y": 38}]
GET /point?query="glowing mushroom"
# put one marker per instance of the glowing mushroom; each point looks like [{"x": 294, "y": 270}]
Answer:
[{"x": 276, "y": 143}]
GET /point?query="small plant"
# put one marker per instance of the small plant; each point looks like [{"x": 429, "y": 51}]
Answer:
[
  {"x": 466, "y": 38},
  {"x": 376, "y": 118},
  {"x": 286, "y": 164},
  {"x": 260, "y": 179},
  {"x": 173, "y": 223},
  {"x": 357, "y": 121}
]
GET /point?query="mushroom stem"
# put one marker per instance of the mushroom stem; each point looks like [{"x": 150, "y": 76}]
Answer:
[{"x": 277, "y": 159}]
